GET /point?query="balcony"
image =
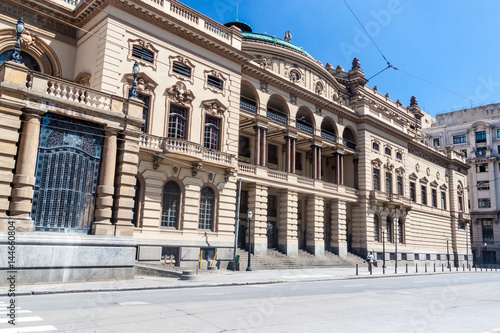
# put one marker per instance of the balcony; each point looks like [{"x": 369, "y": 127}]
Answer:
[
  {"x": 277, "y": 117},
  {"x": 328, "y": 136},
  {"x": 349, "y": 144},
  {"x": 305, "y": 128},
  {"x": 248, "y": 107},
  {"x": 184, "y": 149}
]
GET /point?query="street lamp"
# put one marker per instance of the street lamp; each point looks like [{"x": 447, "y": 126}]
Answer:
[
  {"x": 448, "y": 253},
  {"x": 484, "y": 254},
  {"x": 133, "y": 91},
  {"x": 396, "y": 242},
  {"x": 16, "y": 55},
  {"x": 383, "y": 250},
  {"x": 249, "y": 268}
]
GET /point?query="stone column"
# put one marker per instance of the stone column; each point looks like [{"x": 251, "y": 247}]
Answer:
[
  {"x": 314, "y": 161},
  {"x": 337, "y": 168},
  {"x": 126, "y": 171},
  {"x": 24, "y": 179},
  {"x": 356, "y": 173},
  {"x": 288, "y": 242},
  {"x": 339, "y": 228},
  {"x": 315, "y": 242},
  {"x": 293, "y": 144},
  {"x": 104, "y": 203},
  {"x": 263, "y": 149},
  {"x": 288, "y": 154},
  {"x": 341, "y": 167},
  {"x": 257, "y": 203},
  {"x": 257, "y": 145},
  {"x": 318, "y": 150}
]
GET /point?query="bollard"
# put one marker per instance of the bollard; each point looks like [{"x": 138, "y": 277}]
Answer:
[
  {"x": 356, "y": 269},
  {"x": 416, "y": 268},
  {"x": 475, "y": 268},
  {"x": 434, "y": 267},
  {"x": 481, "y": 267},
  {"x": 442, "y": 267},
  {"x": 406, "y": 268},
  {"x": 457, "y": 268},
  {"x": 426, "y": 267},
  {"x": 463, "y": 266}
]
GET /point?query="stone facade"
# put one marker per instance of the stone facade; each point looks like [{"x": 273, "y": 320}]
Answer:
[
  {"x": 475, "y": 133},
  {"x": 326, "y": 163}
]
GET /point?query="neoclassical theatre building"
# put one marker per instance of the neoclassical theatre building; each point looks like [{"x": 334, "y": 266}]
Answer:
[{"x": 103, "y": 163}]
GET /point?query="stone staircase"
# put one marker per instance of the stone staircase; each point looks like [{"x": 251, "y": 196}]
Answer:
[{"x": 277, "y": 260}]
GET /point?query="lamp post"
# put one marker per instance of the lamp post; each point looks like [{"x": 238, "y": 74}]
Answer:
[
  {"x": 133, "y": 91},
  {"x": 383, "y": 250},
  {"x": 16, "y": 55},
  {"x": 448, "y": 253},
  {"x": 396, "y": 242},
  {"x": 484, "y": 254},
  {"x": 250, "y": 214},
  {"x": 467, "y": 243}
]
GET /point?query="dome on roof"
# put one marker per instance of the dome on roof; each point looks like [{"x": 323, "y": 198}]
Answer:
[{"x": 242, "y": 26}]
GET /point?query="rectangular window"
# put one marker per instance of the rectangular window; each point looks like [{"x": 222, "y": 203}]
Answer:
[
  {"x": 388, "y": 151},
  {"x": 145, "y": 112},
  {"x": 399, "y": 156},
  {"x": 498, "y": 149},
  {"x": 376, "y": 179},
  {"x": 435, "y": 142},
  {"x": 400, "y": 185},
  {"x": 375, "y": 146},
  {"x": 487, "y": 230},
  {"x": 142, "y": 54},
  {"x": 181, "y": 69},
  {"x": 388, "y": 182},
  {"x": 413, "y": 194},
  {"x": 438, "y": 257},
  {"x": 404, "y": 256},
  {"x": 212, "y": 133},
  {"x": 434, "y": 198},
  {"x": 498, "y": 133},
  {"x": 483, "y": 167},
  {"x": 443, "y": 200},
  {"x": 298, "y": 161},
  {"x": 244, "y": 146},
  {"x": 424, "y": 195},
  {"x": 215, "y": 82},
  {"x": 459, "y": 139},
  {"x": 483, "y": 185},
  {"x": 484, "y": 203},
  {"x": 417, "y": 256},
  {"x": 480, "y": 151},
  {"x": 177, "y": 121},
  {"x": 481, "y": 137},
  {"x": 427, "y": 257},
  {"x": 272, "y": 154}
]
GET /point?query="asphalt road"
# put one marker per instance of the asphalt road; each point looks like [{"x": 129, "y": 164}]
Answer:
[{"x": 461, "y": 302}]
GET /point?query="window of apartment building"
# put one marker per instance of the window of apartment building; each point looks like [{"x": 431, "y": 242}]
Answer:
[
  {"x": 212, "y": 133},
  {"x": 388, "y": 182},
  {"x": 388, "y": 151},
  {"x": 483, "y": 185},
  {"x": 443, "y": 200},
  {"x": 207, "y": 209},
  {"x": 272, "y": 154},
  {"x": 181, "y": 69},
  {"x": 413, "y": 194},
  {"x": 438, "y": 257},
  {"x": 399, "y": 155},
  {"x": 401, "y": 231},
  {"x": 376, "y": 222},
  {"x": 271, "y": 206},
  {"x": 215, "y": 82},
  {"x": 376, "y": 179},
  {"x": 482, "y": 167},
  {"x": 388, "y": 228},
  {"x": 177, "y": 122},
  {"x": 404, "y": 256},
  {"x": 298, "y": 161},
  {"x": 434, "y": 198},
  {"x": 145, "y": 111},
  {"x": 417, "y": 256},
  {"x": 480, "y": 151},
  {"x": 244, "y": 146},
  {"x": 424, "y": 195},
  {"x": 435, "y": 142},
  {"x": 487, "y": 230},
  {"x": 170, "y": 205},
  {"x": 400, "y": 185},
  {"x": 480, "y": 136},
  {"x": 142, "y": 53},
  {"x": 375, "y": 146},
  {"x": 459, "y": 139},
  {"x": 484, "y": 202},
  {"x": 427, "y": 257},
  {"x": 460, "y": 204}
]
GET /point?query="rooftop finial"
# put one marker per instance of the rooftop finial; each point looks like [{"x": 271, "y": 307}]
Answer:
[{"x": 288, "y": 36}]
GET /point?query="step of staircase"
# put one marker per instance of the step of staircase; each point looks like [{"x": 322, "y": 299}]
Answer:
[{"x": 277, "y": 260}]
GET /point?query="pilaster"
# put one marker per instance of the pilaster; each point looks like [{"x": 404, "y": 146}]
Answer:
[
  {"x": 315, "y": 225},
  {"x": 257, "y": 203},
  {"x": 339, "y": 228},
  {"x": 288, "y": 242}
]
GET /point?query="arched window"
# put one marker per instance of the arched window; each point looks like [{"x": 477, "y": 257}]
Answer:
[
  {"x": 389, "y": 229},
  {"x": 401, "y": 231},
  {"x": 376, "y": 228},
  {"x": 171, "y": 202},
  {"x": 26, "y": 59},
  {"x": 207, "y": 209},
  {"x": 67, "y": 175}
]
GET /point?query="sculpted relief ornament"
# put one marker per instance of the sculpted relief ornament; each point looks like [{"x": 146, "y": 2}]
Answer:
[{"x": 178, "y": 93}]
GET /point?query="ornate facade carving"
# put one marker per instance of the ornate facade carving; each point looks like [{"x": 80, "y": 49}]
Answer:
[
  {"x": 214, "y": 107},
  {"x": 218, "y": 75},
  {"x": 184, "y": 61},
  {"x": 263, "y": 86},
  {"x": 178, "y": 93},
  {"x": 145, "y": 45}
]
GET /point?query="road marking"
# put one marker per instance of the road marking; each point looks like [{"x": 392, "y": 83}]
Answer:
[
  {"x": 29, "y": 329},
  {"x": 134, "y": 303},
  {"x": 20, "y": 311},
  {"x": 463, "y": 278},
  {"x": 420, "y": 281},
  {"x": 22, "y": 320},
  {"x": 354, "y": 285}
]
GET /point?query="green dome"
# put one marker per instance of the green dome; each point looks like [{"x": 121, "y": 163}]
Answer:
[{"x": 274, "y": 40}]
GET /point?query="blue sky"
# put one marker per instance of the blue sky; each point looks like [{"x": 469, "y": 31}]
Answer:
[{"x": 453, "y": 44}]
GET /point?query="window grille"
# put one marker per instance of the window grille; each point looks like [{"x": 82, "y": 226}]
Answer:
[
  {"x": 181, "y": 69},
  {"x": 215, "y": 82},
  {"x": 142, "y": 54}
]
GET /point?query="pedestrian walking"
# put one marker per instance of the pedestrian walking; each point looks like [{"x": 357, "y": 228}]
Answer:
[{"x": 369, "y": 259}]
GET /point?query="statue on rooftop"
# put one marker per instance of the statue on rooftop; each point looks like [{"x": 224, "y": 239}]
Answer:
[
  {"x": 356, "y": 64},
  {"x": 288, "y": 36},
  {"x": 413, "y": 101}
]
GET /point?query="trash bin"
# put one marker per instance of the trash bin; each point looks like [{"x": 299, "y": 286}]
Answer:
[{"x": 237, "y": 262}]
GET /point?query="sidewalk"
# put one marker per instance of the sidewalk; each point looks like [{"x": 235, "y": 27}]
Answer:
[{"x": 217, "y": 279}]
